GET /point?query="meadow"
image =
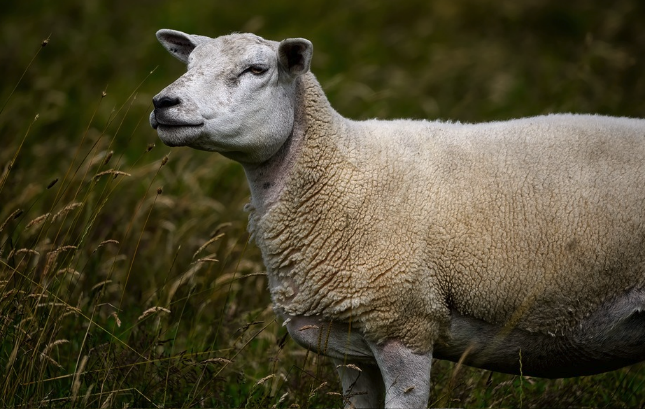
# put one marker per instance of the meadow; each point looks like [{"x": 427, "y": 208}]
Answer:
[{"x": 127, "y": 278}]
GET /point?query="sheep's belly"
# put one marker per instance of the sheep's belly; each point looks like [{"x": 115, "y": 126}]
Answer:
[
  {"x": 334, "y": 339},
  {"x": 612, "y": 337}
]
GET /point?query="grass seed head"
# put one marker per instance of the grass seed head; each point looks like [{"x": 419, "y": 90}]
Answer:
[
  {"x": 217, "y": 361},
  {"x": 151, "y": 311},
  {"x": 37, "y": 220},
  {"x": 116, "y": 319},
  {"x": 66, "y": 210},
  {"x": 52, "y": 183},
  {"x": 27, "y": 251},
  {"x": 113, "y": 172},
  {"x": 101, "y": 284},
  {"x": 108, "y": 157},
  {"x": 266, "y": 378}
]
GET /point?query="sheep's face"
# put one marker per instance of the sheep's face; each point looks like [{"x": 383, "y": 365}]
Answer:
[{"x": 237, "y": 96}]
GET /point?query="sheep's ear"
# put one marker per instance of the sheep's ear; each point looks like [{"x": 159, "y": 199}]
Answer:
[
  {"x": 179, "y": 44},
  {"x": 294, "y": 55}
]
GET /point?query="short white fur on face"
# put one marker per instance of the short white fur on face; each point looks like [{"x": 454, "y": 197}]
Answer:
[{"x": 237, "y": 96}]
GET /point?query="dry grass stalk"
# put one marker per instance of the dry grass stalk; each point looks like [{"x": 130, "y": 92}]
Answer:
[
  {"x": 51, "y": 260},
  {"x": 206, "y": 260},
  {"x": 26, "y": 251},
  {"x": 266, "y": 378},
  {"x": 37, "y": 220},
  {"x": 151, "y": 311},
  {"x": 108, "y": 157},
  {"x": 99, "y": 285},
  {"x": 52, "y": 304},
  {"x": 306, "y": 327},
  {"x": 13, "y": 355},
  {"x": 322, "y": 385},
  {"x": 12, "y": 292},
  {"x": 350, "y": 366},
  {"x": 116, "y": 318},
  {"x": 24, "y": 320},
  {"x": 217, "y": 361},
  {"x": 69, "y": 271},
  {"x": 66, "y": 210},
  {"x": 76, "y": 384},
  {"x": 71, "y": 310},
  {"x": 86, "y": 398},
  {"x": 184, "y": 278},
  {"x": 53, "y": 255},
  {"x": 44, "y": 357},
  {"x": 12, "y": 216},
  {"x": 104, "y": 242},
  {"x": 64, "y": 248},
  {"x": 282, "y": 398},
  {"x": 110, "y": 172},
  {"x": 214, "y": 239},
  {"x": 108, "y": 401}
]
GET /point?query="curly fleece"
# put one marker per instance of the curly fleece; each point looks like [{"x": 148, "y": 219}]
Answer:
[{"x": 391, "y": 224}]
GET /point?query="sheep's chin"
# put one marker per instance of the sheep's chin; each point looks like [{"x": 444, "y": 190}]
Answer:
[{"x": 177, "y": 135}]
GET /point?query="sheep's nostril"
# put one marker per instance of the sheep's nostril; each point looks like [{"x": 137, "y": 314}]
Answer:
[{"x": 165, "y": 102}]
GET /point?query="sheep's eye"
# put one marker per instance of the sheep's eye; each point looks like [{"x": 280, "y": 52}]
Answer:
[{"x": 257, "y": 70}]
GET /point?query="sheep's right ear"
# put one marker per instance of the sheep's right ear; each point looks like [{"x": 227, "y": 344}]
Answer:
[
  {"x": 179, "y": 44},
  {"x": 294, "y": 55}
]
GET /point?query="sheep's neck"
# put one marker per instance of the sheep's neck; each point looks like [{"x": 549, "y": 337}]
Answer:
[
  {"x": 312, "y": 109},
  {"x": 303, "y": 179}
]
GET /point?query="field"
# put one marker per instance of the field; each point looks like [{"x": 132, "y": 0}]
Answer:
[{"x": 126, "y": 275}]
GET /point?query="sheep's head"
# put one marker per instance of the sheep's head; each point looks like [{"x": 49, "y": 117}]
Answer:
[{"x": 237, "y": 96}]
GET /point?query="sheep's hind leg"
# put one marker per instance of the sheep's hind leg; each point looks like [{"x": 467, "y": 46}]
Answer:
[
  {"x": 406, "y": 375},
  {"x": 362, "y": 383}
]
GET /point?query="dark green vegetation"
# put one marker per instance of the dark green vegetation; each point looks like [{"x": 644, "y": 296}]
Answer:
[{"x": 115, "y": 293}]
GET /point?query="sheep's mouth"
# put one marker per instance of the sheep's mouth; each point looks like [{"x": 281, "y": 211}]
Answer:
[
  {"x": 175, "y": 125},
  {"x": 159, "y": 121}
]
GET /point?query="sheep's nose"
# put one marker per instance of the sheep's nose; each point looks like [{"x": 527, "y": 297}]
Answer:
[{"x": 165, "y": 102}]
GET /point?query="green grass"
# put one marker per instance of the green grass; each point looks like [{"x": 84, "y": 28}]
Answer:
[{"x": 140, "y": 288}]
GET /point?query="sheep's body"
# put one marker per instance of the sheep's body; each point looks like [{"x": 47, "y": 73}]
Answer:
[
  {"x": 532, "y": 223},
  {"x": 474, "y": 241}
]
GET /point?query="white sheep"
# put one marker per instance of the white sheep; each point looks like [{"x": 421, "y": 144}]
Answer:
[{"x": 513, "y": 246}]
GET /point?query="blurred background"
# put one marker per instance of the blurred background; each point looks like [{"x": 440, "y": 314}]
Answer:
[{"x": 457, "y": 60}]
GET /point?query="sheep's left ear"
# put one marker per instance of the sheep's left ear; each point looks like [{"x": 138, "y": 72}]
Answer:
[
  {"x": 294, "y": 55},
  {"x": 179, "y": 44}
]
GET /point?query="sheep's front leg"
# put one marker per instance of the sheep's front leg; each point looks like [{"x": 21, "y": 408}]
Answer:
[
  {"x": 362, "y": 383},
  {"x": 406, "y": 375}
]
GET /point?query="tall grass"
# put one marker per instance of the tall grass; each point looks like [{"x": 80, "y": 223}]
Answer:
[{"x": 126, "y": 276}]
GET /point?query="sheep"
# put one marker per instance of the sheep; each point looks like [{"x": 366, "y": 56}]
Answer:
[{"x": 514, "y": 246}]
